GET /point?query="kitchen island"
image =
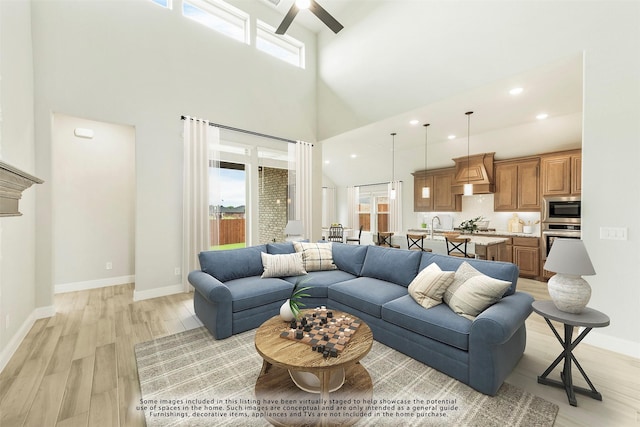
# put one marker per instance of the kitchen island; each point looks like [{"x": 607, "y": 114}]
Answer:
[{"x": 484, "y": 247}]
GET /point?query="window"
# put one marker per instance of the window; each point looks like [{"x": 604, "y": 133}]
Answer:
[
  {"x": 373, "y": 211},
  {"x": 227, "y": 205},
  {"x": 163, "y": 3},
  {"x": 219, "y": 16},
  {"x": 282, "y": 47}
]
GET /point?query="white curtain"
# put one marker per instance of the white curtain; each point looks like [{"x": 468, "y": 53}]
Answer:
[
  {"x": 198, "y": 136},
  {"x": 300, "y": 184},
  {"x": 329, "y": 214},
  {"x": 353, "y": 207},
  {"x": 395, "y": 207}
]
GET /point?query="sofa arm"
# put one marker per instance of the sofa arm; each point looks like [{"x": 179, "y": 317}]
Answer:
[
  {"x": 497, "y": 341},
  {"x": 499, "y": 322},
  {"x": 209, "y": 287}
]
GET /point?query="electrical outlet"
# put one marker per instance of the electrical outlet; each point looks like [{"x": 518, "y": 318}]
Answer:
[
  {"x": 109, "y": 265},
  {"x": 177, "y": 271}
]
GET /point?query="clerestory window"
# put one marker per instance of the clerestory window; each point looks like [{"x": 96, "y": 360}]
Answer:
[{"x": 219, "y": 16}]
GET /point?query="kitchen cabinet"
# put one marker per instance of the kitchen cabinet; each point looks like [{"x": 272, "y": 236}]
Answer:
[
  {"x": 422, "y": 179},
  {"x": 523, "y": 252},
  {"x": 442, "y": 198},
  {"x": 562, "y": 173},
  {"x": 517, "y": 185}
]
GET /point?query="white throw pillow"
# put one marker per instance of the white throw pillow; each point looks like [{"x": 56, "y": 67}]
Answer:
[
  {"x": 429, "y": 285},
  {"x": 282, "y": 265},
  {"x": 315, "y": 256},
  {"x": 472, "y": 292}
]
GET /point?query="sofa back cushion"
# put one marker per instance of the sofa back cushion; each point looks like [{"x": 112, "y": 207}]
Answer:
[
  {"x": 280, "y": 248},
  {"x": 496, "y": 269},
  {"x": 349, "y": 258},
  {"x": 397, "y": 266},
  {"x": 234, "y": 263}
]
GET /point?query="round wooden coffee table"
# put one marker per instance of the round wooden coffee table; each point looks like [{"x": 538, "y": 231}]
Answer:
[{"x": 286, "y": 361}]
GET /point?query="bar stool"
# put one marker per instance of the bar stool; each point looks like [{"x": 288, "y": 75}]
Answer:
[
  {"x": 415, "y": 242},
  {"x": 356, "y": 239},
  {"x": 384, "y": 239},
  {"x": 457, "y": 246}
]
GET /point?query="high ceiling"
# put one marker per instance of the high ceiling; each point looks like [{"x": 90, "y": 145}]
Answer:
[{"x": 501, "y": 123}]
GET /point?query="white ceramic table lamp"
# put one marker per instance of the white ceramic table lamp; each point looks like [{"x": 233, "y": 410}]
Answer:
[
  {"x": 294, "y": 230},
  {"x": 568, "y": 258}
]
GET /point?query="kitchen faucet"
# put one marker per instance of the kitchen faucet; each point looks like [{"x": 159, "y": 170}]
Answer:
[{"x": 433, "y": 219}]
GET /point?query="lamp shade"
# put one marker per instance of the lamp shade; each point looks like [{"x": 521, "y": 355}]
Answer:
[
  {"x": 569, "y": 256},
  {"x": 294, "y": 227}
]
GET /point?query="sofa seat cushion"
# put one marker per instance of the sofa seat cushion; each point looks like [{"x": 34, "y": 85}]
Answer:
[
  {"x": 250, "y": 292},
  {"x": 366, "y": 294},
  {"x": 439, "y": 323},
  {"x": 319, "y": 281}
]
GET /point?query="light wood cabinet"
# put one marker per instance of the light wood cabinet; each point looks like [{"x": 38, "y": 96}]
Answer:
[
  {"x": 517, "y": 185},
  {"x": 442, "y": 198},
  {"x": 524, "y": 252},
  {"x": 422, "y": 179},
  {"x": 562, "y": 173}
]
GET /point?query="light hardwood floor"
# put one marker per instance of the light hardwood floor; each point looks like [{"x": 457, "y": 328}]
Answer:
[{"x": 78, "y": 367}]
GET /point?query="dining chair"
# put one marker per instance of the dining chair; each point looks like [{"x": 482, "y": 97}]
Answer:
[
  {"x": 415, "y": 242},
  {"x": 384, "y": 239},
  {"x": 457, "y": 246},
  {"x": 336, "y": 233},
  {"x": 356, "y": 239}
]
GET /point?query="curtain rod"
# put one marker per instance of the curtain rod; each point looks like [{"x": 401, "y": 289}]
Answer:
[{"x": 250, "y": 132}]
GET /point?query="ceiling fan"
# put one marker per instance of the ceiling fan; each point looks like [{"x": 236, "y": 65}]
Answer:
[{"x": 316, "y": 9}]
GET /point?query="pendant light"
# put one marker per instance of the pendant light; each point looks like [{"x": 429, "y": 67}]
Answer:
[
  {"x": 426, "y": 191},
  {"x": 392, "y": 193},
  {"x": 468, "y": 187}
]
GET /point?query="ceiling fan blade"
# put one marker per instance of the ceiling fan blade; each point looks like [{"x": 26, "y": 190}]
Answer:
[
  {"x": 325, "y": 17},
  {"x": 288, "y": 19}
]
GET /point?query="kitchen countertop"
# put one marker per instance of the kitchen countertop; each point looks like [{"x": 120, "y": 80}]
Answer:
[
  {"x": 437, "y": 232},
  {"x": 476, "y": 239}
]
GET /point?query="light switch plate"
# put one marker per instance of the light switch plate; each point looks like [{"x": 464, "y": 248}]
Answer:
[{"x": 613, "y": 233}]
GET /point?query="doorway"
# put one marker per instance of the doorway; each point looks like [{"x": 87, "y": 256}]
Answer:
[{"x": 93, "y": 203}]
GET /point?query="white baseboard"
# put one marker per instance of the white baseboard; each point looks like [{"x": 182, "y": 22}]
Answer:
[
  {"x": 607, "y": 342},
  {"x": 93, "y": 284},
  {"x": 39, "y": 313},
  {"x": 157, "y": 292}
]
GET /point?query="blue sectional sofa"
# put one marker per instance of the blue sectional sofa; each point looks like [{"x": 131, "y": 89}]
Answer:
[{"x": 371, "y": 283}]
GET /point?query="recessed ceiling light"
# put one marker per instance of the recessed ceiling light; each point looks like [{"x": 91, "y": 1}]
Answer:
[
  {"x": 542, "y": 116},
  {"x": 353, "y": 156},
  {"x": 516, "y": 91},
  {"x": 414, "y": 122},
  {"x": 451, "y": 137},
  {"x": 326, "y": 162}
]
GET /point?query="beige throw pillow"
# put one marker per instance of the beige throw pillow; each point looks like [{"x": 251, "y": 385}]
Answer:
[
  {"x": 315, "y": 256},
  {"x": 429, "y": 285},
  {"x": 472, "y": 292},
  {"x": 282, "y": 265}
]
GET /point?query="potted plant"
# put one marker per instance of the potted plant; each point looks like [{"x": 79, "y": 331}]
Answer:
[
  {"x": 470, "y": 225},
  {"x": 291, "y": 308}
]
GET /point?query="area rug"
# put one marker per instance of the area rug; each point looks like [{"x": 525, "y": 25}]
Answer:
[{"x": 190, "y": 379}]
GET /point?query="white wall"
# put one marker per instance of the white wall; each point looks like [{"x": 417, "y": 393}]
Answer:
[
  {"x": 17, "y": 234},
  {"x": 433, "y": 50},
  {"x": 133, "y": 62},
  {"x": 93, "y": 188}
]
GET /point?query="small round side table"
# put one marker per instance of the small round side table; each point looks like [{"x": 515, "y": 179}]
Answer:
[{"x": 589, "y": 319}]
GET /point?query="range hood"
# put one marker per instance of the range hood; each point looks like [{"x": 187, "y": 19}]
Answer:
[
  {"x": 13, "y": 182},
  {"x": 477, "y": 170}
]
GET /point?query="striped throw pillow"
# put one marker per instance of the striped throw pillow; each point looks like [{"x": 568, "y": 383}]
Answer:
[
  {"x": 429, "y": 286},
  {"x": 282, "y": 265}
]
